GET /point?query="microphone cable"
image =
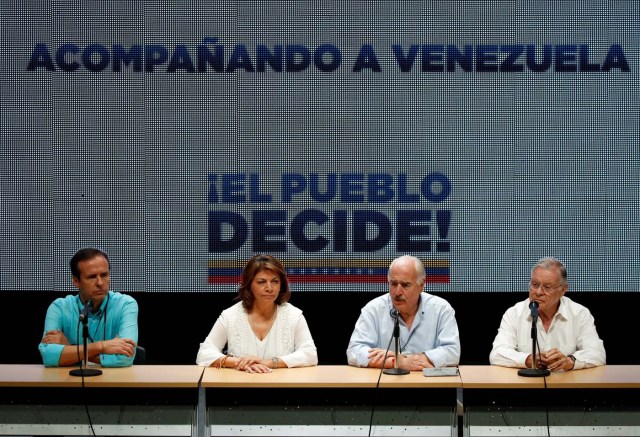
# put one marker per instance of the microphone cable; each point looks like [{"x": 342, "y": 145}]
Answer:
[
  {"x": 103, "y": 319},
  {"x": 377, "y": 388},
  {"x": 84, "y": 392},
  {"x": 546, "y": 399}
]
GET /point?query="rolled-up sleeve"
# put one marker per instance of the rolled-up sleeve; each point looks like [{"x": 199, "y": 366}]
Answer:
[
  {"x": 50, "y": 353},
  {"x": 127, "y": 328}
]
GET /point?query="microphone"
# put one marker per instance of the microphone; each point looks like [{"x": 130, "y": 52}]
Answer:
[
  {"x": 88, "y": 307},
  {"x": 534, "y": 371},
  {"x": 533, "y": 306},
  {"x": 394, "y": 313},
  {"x": 83, "y": 371}
]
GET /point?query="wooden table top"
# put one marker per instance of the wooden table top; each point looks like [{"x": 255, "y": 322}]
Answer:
[
  {"x": 342, "y": 376},
  {"x": 36, "y": 375},
  {"x": 323, "y": 376}
]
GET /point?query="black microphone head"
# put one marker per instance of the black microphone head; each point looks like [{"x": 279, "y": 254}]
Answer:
[
  {"x": 394, "y": 313},
  {"x": 88, "y": 307},
  {"x": 533, "y": 305}
]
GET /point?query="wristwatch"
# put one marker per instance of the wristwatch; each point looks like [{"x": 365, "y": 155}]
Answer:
[{"x": 276, "y": 361}]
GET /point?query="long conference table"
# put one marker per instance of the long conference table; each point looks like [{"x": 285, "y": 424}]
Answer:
[{"x": 324, "y": 400}]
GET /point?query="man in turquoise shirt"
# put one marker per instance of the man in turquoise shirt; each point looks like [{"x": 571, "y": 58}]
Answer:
[{"x": 113, "y": 322}]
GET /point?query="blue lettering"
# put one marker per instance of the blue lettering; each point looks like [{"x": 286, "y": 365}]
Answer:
[
  {"x": 405, "y": 62},
  {"x": 486, "y": 58},
  {"x": 40, "y": 57},
  {"x": 333, "y": 61},
  {"x": 565, "y": 58},
  {"x": 432, "y": 56},
  {"x": 298, "y": 225},
  {"x": 205, "y": 57},
  {"x": 262, "y": 230},
  {"x": 264, "y": 57},
  {"x": 240, "y": 59},
  {"x": 365, "y": 220},
  {"x": 547, "y": 55},
  {"x": 292, "y": 183},
  {"x": 254, "y": 190},
  {"x": 181, "y": 60},
  {"x": 96, "y": 58},
  {"x": 298, "y": 58},
  {"x": 154, "y": 55},
  {"x": 584, "y": 60},
  {"x": 120, "y": 56},
  {"x": 351, "y": 187},
  {"x": 330, "y": 191},
  {"x": 233, "y": 188},
  {"x": 435, "y": 187},
  {"x": 513, "y": 53},
  {"x": 238, "y": 228},
  {"x": 61, "y": 57},
  {"x": 407, "y": 230},
  {"x": 615, "y": 59},
  {"x": 380, "y": 188},
  {"x": 465, "y": 61},
  {"x": 403, "y": 196},
  {"x": 367, "y": 59},
  {"x": 340, "y": 230},
  {"x": 443, "y": 218}
]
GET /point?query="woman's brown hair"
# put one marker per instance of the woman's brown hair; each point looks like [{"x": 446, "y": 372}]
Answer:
[{"x": 257, "y": 264}]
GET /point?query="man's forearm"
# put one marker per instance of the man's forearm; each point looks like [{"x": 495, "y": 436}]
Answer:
[{"x": 73, "y": 354}]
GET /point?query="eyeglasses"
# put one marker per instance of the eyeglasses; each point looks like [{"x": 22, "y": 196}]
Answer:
[{"x": 545, "y": 288}]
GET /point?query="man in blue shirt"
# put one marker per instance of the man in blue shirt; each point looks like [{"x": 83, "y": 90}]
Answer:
[
  {"x": 428, "y": 328},
  {"x": 113, "y": 322}
]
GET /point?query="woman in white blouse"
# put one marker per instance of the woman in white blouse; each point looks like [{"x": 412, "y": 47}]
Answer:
[{"x": 263, "y": 331}]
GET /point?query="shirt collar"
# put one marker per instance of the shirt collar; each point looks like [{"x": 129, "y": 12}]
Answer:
[
  {"x": 100, "y": 310},
  {"x": 563, "y": 310},
  {"x": 422, "y": 301}
]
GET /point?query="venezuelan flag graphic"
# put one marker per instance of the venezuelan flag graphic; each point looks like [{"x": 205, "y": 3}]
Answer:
[{"x": 329, "y": 270}]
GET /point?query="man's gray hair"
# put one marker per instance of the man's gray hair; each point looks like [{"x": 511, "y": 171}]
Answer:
[
  {"x": 422, "y": 275},
  {"x": 550, "y": 262}
]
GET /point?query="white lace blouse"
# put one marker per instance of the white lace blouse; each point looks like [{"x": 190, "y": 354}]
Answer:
[{"x": 289, "y": 338}]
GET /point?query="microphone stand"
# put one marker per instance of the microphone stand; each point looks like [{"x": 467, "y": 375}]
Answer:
[
  {"x": 85, "y": 372},
  {"x": 534, "y": 371},
  {"x": 396, "y": 334}
]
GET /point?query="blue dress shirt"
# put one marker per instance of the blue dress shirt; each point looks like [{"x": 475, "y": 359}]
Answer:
[{"x": 434, "y": 331}]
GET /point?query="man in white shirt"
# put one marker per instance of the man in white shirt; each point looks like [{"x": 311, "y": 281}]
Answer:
[{"x": 567, "y": 335}]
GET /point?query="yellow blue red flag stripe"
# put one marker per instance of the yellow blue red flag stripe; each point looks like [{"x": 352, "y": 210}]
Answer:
[{"x": 327, "y": 270}]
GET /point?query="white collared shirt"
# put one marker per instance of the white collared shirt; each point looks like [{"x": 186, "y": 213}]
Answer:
[{"x": 572, "y": 331}]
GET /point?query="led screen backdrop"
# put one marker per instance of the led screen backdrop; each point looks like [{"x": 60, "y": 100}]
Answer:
[{"x": 184, "y": 137}]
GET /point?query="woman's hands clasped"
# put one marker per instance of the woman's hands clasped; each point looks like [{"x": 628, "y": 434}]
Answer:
[{"x": 253, "y": 364}]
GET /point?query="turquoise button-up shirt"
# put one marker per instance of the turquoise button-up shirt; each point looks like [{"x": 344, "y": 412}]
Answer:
[{"x": 117, "y": 317}]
